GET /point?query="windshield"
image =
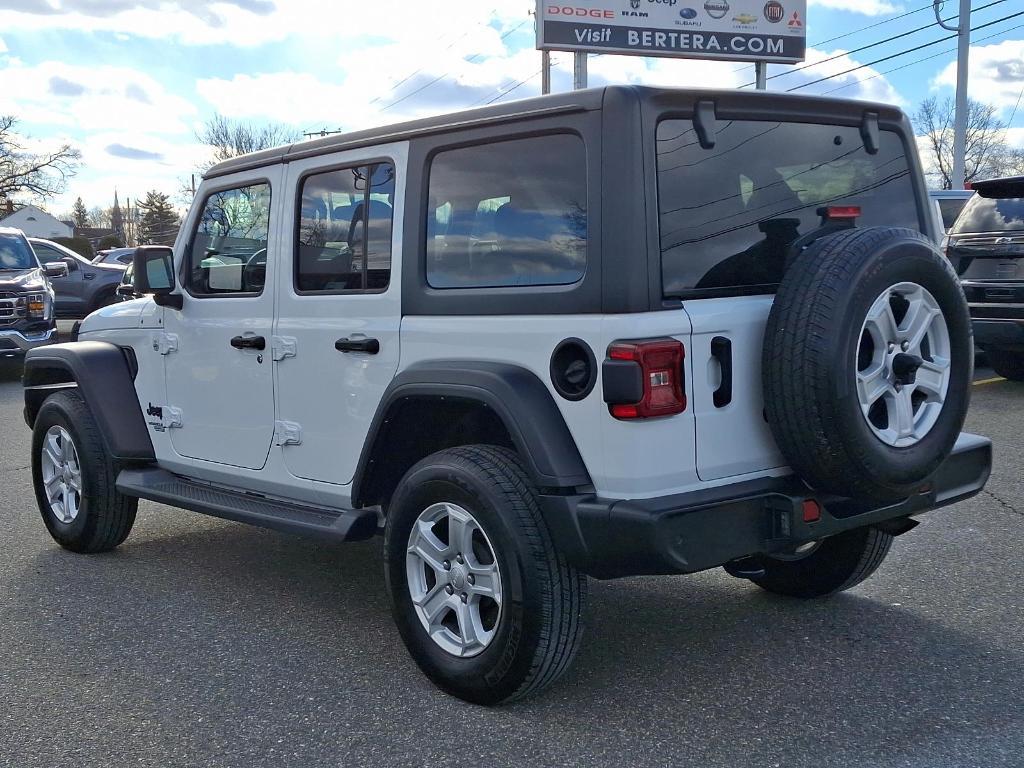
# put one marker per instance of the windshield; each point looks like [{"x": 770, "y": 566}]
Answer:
[
  {"x": 991, "y": 214},
  {"x": 729, "y": 214},
  {"x": 15, "y": 253}
]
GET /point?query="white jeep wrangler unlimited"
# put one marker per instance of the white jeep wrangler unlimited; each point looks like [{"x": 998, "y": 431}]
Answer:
[{"x": 610, "y": 332}]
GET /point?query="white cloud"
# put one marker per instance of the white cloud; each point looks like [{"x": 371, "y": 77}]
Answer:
[
  {"x": 3, "y": 46},
  {"x": 995, "y": 73},
  {"x": 90, "y": 97},
  {"x": 867, "y": 7},
  {"x": 865, "y": 83},
  {"x": 254, "y": 22}
]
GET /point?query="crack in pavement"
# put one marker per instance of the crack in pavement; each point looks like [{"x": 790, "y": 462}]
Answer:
[
  {"x": 15, "y": 469},
  {"x": 1007, "y": 506}
]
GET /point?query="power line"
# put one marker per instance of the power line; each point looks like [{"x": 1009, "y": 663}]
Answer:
[
  {"x": 871, "y": 45},
  {"x": 461, "y": 37},
  {"x": 923, "y": 59},
  {"x": 443, "y": 75},
  {"x": 872, "y": 26},
  {"x": 901, "y": 53}
]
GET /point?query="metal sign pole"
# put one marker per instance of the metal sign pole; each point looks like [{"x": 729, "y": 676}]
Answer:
[
  {"x": 761, "y": 75},
  {"x": 579, "y": 71},
  {"x": 545, "y": 72}
]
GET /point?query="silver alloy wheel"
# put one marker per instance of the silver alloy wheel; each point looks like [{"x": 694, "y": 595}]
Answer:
[
  {"x": 454, "y": 579},
  {"x": 903, "y": 364},
  {"x": 62, "y": 474}
]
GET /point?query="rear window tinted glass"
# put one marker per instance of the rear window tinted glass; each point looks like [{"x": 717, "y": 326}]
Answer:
[
  {"x": 509, "y": 213},
  {"x": 991, "y": 214},
  {"x": 728, "y": 215}
]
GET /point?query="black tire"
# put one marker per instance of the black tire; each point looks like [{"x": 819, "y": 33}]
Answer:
[
  {"x": 1009, "y": 365},
  {"x": 105, "y": 517},
  {"x": 539, "y": 628},
  {"x": 809, "y": 363},
  {"x": 839, "y": 563}
]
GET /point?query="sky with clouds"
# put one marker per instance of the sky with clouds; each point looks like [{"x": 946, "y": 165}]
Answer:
[{"x": 129, "y": 82}]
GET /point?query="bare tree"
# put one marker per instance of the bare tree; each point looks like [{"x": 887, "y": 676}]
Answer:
[
  {"x": 99, "y": 217},
  {"x": 36, "y": 174},
  {"x": 987, "y": 152},
  {"x": 230, "y": 138}
]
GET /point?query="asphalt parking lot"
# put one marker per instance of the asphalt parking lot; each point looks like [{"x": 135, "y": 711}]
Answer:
[{"x": 206, "y": 643}]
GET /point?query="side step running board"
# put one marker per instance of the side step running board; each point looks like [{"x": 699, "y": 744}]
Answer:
[{"x": 319, "y": 522}]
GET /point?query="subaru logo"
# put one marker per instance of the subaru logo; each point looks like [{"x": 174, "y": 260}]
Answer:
[{"x": 688, "y": 13}]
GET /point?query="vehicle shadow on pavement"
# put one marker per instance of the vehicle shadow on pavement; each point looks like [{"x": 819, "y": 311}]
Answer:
[{"x": 241, "y": 626}]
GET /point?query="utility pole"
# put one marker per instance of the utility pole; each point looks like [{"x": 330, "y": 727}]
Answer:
[
  {"x": 963, "y": 29},
  {"x": 579, "y": 70},
  {"x": 545, "y": 72},
  {"x": 761, "y": 75}
]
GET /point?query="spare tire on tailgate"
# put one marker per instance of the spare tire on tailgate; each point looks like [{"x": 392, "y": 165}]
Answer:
[{"x": 868, "y": 362}]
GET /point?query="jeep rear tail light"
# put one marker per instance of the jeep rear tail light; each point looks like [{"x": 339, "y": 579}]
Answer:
[{"x": 660, "y": 387}]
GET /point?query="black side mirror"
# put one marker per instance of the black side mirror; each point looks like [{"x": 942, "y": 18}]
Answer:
[
  {"x": 56, "y": 269},
  {"x": 125, "y": 290},
  {"x": 70, "y": 263},
  {"x": 153, "y": 272}
]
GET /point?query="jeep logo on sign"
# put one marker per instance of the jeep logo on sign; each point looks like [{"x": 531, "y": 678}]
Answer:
[
  {"x": 773, "y": 11},
  {"x": 716, "y": 9}
]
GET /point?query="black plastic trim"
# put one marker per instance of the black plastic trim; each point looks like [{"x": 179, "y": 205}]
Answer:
[
  {"x": 104, "y": 378},
  {"x": 622, "y": 382},
  {"x": 518, "y": 397},
  {"x": 691, "y": 532},
  {"x": 244, "y": 507},
  {"x": 591, "y": 367}
]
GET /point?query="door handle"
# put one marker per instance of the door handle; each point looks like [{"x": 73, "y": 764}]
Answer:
[
  {"x": 249, "y": 342},
  {"x": 88, "y": 275},
  {"x": 721, "y": 350},
  {"x": 369, "y": 346}
]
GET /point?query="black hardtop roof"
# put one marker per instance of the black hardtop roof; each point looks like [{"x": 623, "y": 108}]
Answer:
[
  {"x": 1007, "y": 186},
  {"x": 764, "y": 102}
]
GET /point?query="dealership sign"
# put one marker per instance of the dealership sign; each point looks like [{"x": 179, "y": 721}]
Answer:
[{"x": 745, "y": 30}]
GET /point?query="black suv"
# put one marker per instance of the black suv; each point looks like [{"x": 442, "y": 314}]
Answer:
[
  {"x": 986, "y": 245},
  {"x": 26, "y": 296}
]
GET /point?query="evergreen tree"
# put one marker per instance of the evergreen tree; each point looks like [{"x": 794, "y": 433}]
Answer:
[
  {"x": 80, "y": 214},
  {"x": 159, "y": 222}
]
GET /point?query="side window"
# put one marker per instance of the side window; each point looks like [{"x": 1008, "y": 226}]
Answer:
[
  {"x": 510, "y": 213},
  {"x": 228, "y": 253},
  {"x": 343, "y": 238},
  {"x": 46, "y": 254}
]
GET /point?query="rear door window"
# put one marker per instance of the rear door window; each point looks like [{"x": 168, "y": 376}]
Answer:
[{"x": 729, "y": 214}]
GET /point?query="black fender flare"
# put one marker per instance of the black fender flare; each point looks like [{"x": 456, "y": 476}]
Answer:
[
  {"x": 516, "y": 395},
  {"x": 104, "y": 376}
]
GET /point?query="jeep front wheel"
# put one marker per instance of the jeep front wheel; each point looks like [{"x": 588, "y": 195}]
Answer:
[
  {"x": 486, "y": 605},
  {"x": 1006, "y": 363},
  {"x": 74, "y": 478}
]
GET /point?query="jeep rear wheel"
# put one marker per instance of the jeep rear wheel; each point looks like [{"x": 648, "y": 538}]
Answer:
[
  {"x": 74, "y": 478},
  {"x": 486, "y": 605},
  {"x": 867, "y": 362}
]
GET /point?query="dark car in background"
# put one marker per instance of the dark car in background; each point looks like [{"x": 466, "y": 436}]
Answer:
[
  {"x": 115, "y": 256},
  {"x": 26, "y": 296},
  {"x": 986, "y": 245},
  {"x": 87, "y": 286}
]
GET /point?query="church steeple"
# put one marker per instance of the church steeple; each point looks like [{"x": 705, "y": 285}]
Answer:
[{"x": 116, "y": 221}]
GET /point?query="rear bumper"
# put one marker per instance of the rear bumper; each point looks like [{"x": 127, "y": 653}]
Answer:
[
  {"x": 708, "y": 528},
  {"x": 17, "y": 343},
  {"x": 999, "y": 333}
]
